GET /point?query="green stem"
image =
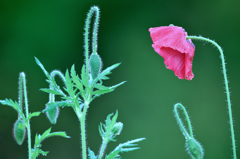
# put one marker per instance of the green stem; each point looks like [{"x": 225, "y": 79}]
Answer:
[
  {"x": 94, "y": 41},
  {"x": 185, "y": 133},
  {"x": 53, "y": 74},
  {"x": 87, "y": 97},
  {"x": 20, "y": 94},
  {"x": 182, "y": 128},
  {"x": 81, "y": 117},
  {"x": 22, "y": 75},
  {"x": 104, "y": 143},
  {"x": 95, "y": 29},
  {"x": 103, "y": 147},
  {"x": 226, "y": 87}
]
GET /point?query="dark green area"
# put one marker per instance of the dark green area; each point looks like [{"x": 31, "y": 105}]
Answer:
[{"x": 53, "y": 31}]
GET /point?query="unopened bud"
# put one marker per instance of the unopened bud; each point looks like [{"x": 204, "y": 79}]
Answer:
[
  {"x": 95, "y": 63},
  {"x": 194, "y": 148},
  {"x": 19, "y": 131},
  {"x": 52, "y": 115},
  {"x": 117, "y": 128}
]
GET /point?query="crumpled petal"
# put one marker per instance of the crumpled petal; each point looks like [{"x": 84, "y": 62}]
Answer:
[{"x": 170, "y": 42}]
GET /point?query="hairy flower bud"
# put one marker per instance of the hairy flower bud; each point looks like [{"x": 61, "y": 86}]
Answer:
[
  {"x": 117, "y": 128},
  {"x": 52, "y": 115},
  {"x": 19, "y": 131},
  {"x": 194, "y": 148},
  {"x": 95, "y": 63}
]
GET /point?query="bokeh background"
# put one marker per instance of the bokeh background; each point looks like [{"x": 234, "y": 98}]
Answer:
[{"x": 53, "y": 31}]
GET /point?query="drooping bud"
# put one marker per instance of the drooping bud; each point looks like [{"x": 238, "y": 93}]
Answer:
[
  {"x": 19, "y": 131},
  {"x": 95, "y": 63},
  {"x": 117, "y": 128},
  {"x": 194, "y": 148},
  {"x": 52, "y": 114}
]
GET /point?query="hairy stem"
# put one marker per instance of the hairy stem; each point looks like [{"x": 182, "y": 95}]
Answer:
[
  {"x": 226, "y": 87},
  {"x": 179, "y": 105},
  {"x": 23, "y": 78},
  {"x": 81, "y": 117},
  {"x": 103, "y": 147},
  {"x": 94, "y": 40},
  {"x": 53, "y": 74}
]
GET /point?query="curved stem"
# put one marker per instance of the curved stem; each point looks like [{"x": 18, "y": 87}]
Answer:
[
  {"x": 94, "y": 41},
  {"x": 184, "y": 131},
  {"x": 53, "y": 74},
  {"x": 22, "y": 76},
  {"x": 226, "y": 87},
  {"x": 95, "y": 29}
]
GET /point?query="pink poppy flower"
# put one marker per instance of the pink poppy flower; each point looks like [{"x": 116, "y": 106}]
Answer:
[{"x": 170, "y": 42}]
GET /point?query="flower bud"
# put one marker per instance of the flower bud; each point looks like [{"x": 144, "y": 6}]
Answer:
[
  {"x": 19, "y": 131},
  {"x": 117, "y": 128},
  {"x": 95, "y": 63},
  {"x": 52, "y": 115},
  {"x": 194, "y": 148}
]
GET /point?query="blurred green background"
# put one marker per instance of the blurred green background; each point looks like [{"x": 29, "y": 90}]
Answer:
[{"x": 53, "y": 31}]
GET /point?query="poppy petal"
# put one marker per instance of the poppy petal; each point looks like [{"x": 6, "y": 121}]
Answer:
[{"x": 170, "y": 42}]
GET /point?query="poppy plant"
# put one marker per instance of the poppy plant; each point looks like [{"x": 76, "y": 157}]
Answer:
[
  {"x": 172, "y": 44},
  {"x": 177, "y": 49}
]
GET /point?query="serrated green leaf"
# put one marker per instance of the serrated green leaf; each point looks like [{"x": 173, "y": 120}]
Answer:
[
  {"x": 104, "y": 88},
  {"x": 105, "y": 72},
  {"x": 100, "y": 92},
  {"x": 36, "y": 152},
  {"x": 100, "y": 87},
  {"x": 59, "y": 133},
  {"x": 51, "y": 91},
  {"x": 101, "y": 131},
  {"x": 14, "y": 105},
  {"x": 67, "y": 98},
  {"x": 47, "y": 134},
  {"x": 53, "y": 105},
  {"x": 33, "y": 114},
  {"x": 44, "y": 135},
  {"x": 42, "y": 67},
  {"x": 39, "y": 138},
  {"x": 91, "y": 154},
  {"x": 128, "y": 146},
  {"x": 9, "y": 102},
  {"x": 105, "y": 129},
  {"x": 73, "y": 72},
  {"x": 105, "y": 78},
  {"x": 76, "y": 79},
  {"x": 115, "y": 86},
  {"x": 69, "y": 84},
  {"x": 44, "y": 153},
  {"x": 84, "y": 77},
  {"x": 129, "y": 149},
  {"x": 114, "y": 119},
  {"x": 108, "y": 119},
  {"x": 67, "y": 77},
  {"x": 113, "y": 154},
  {"x": 37, "y": 141}
]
